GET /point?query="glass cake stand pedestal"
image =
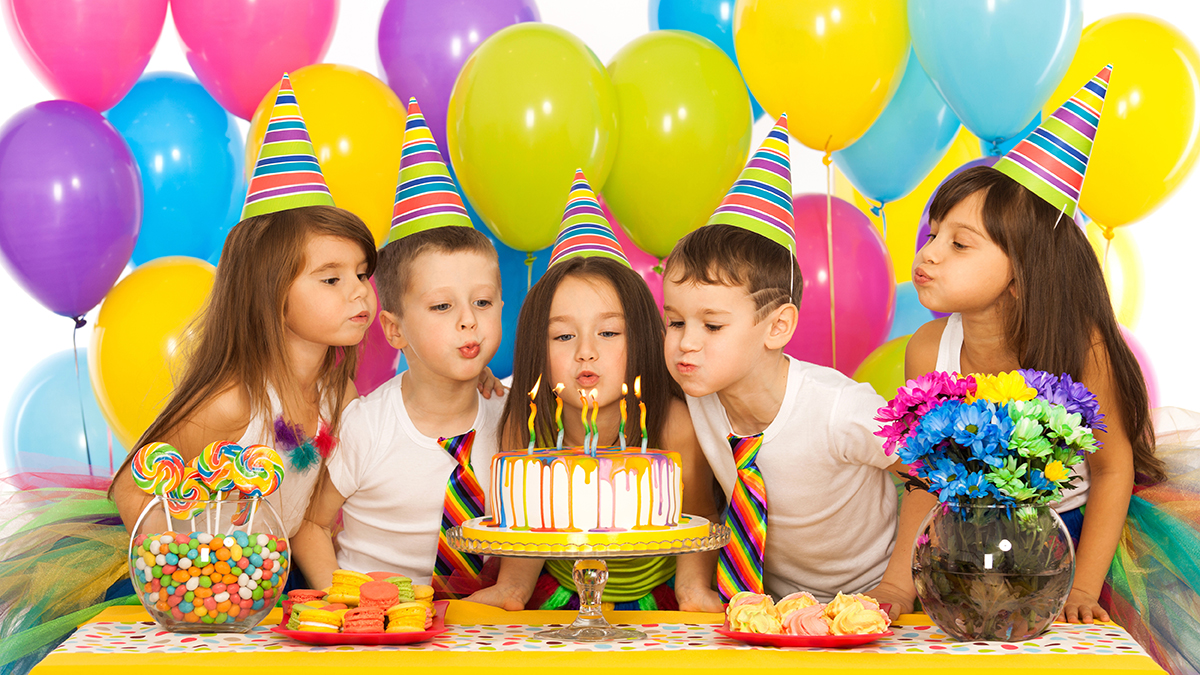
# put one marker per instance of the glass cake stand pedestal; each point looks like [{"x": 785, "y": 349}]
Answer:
[{"x": 589, "y": 551}]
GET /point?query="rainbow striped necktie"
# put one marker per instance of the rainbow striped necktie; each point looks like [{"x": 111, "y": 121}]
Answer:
[
  {"x": 464, "y": 501},
  {"x": 740, "y": 566}
]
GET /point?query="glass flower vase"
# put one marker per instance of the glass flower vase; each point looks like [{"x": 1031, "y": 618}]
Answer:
[
  {"x": 213, "y": 566},
  {"x": 993, "y": 573}
]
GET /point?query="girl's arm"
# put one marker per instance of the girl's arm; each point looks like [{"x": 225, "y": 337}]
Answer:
[
  {"x": 1111, "y": 470},
  {"x": 693, "y": 572},
  {"x": 226, "y": 416},
  {"x": 312, "y": 547}
]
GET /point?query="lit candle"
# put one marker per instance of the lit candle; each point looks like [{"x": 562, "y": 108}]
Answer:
[
  {"x": 595, "y": 428},
  {"x": 587, "y": 437},
  {"x": 621, "y": 432},
  {"x": 637, "y": 391},
  {"x": 533, "y": 411},
  {"x": 558, "y": 412}
]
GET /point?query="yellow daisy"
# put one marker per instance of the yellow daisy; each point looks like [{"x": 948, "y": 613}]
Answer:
[
  {"x": 1002, "y": 388},
  {"x": 1055, "y": 471}
]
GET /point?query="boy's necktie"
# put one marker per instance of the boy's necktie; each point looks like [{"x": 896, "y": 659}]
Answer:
[
  {"x": 740, "y": 566},
  {"x": 464, "y": 501}
]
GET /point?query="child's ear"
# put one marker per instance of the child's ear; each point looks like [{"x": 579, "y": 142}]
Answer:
[
  {"x": 390, "y": 324},
  {"x": 781, "y": 325}
]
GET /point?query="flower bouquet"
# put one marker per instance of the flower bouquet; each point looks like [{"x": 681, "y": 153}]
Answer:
[{"x": 994, "y": 561}]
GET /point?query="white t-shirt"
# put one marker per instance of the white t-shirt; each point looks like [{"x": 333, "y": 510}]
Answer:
[
  {"x": 831, "y": 503},
  {"x": 949, "y": 360},
  {"x": 394, "y": 481}
]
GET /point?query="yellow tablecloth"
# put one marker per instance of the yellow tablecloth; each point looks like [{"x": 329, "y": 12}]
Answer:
[{"x": 570, "y": 663}]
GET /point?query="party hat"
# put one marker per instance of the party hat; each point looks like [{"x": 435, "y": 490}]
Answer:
[
  {"x": 426, "y": 196},
  {"x": 287, "y": 174},
  {"x": 585, "y": 231},
  {"x": 1051, "y": 161},
  {"x": 761, "y": 199}
]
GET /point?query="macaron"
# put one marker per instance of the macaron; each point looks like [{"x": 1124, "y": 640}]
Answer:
[
  {"x": 379, "y": 594},
  {"x": 345, "y": 587},
  {"x": 423, "y": 594},
  {"x": 299, "y": 595},
  {"x": 381, "y": 576},
  {"x": 319, "y": 621},
  {"x": 403, "y": 586},
  {"x": 410, "y": 614},
  {"x": 293, "y": 622},
  {"x": 363, "y": 620}
]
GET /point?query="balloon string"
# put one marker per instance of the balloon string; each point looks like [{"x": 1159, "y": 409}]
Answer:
[
  {"x": 883, "y": 219},
  {"x": 80, "y": 322},
  {"x": 529, "y": 268},
  {"x": 1108, "y": 237},
  {"x": 828, "y": 160}
]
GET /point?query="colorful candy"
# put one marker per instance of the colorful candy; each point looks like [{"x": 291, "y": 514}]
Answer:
[
  {"x": 157, "y": 468},
  {"x": 258, "y": 471},
  {"x": 189, "y": 499},
  {"x": 215, "y": 465}
]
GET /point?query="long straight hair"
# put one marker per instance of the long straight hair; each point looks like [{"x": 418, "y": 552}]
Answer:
[
  {"x": 1061, "y": 308},
  {"x": 238, "y": 340},
  {"x": 644, "y": 335}
]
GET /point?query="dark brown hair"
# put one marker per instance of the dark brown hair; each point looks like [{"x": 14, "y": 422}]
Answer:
[
  {"x": 732, "y": 256},
  {"x": 394, "y": 274},
  {"x": 644, "y": 334},
  {"x": 238, "y": 340},
  {"x": 1061, "y": 309}
]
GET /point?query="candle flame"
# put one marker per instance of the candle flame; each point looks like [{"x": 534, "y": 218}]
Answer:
[
  {"x": 637, "y": 386},
  {"x": 624, "y": 390},
  {"x": 558, "y": 388},
  {"x": 533, "y": 392}
]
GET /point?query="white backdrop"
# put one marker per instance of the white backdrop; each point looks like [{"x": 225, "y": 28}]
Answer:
[{"x": 1168, "y": 240}]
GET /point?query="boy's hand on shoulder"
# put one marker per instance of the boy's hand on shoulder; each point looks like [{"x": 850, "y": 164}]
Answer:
[
  {"x": 510, "y": 598},
  {"x": 489, "y": 383},
  {"x": 697, "y": 599},
  {"x": 886, "y": 593}
]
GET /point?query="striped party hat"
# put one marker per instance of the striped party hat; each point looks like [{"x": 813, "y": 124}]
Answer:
[
  {"x": 425, "y": 197},
  {"x": 761, "y": 199},
  {"x": 585, "y": 231},
  {"x": 1051, "y": 161},
  {"x": 287, "y": 174}
]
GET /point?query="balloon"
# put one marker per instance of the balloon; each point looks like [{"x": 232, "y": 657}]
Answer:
[
  {"x": 43, "y": 430},
  {"x": 712, "y": 19},
  {"x": 883, "y": 369},
  {"x": 684, "y": 130},
  {"x": 647, "y": 266},
  {"x": 87, "y": 52},
  {"x": 531, "y": 105},
  {"x": 1146, "y": 364},
  {"x": 240, "y": 48},
  {"x": 70, "y": 204},
  {"x": 377, "y": 359},
  {"x": 143, "y": 323},
  {"x": 923, "y": 223},
  {"x": 996, "y": 63},
  {"x": 831, "y": 65},
  {"x": 189, "y": 152},
  {"x": 904, "y": 214},
  {"x": 1149, "y": 129},
  {"x": 357, "y": 128},
  {"x": 863, "y": 287},
  {"x": 423, "y": 45},
  {"x": 1122, "y": 265},
  {"x": 904, "y": 144},
  {"x": 910, "y": 314}
]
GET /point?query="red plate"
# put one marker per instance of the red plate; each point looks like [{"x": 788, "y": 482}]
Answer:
[
  {"x": 772, "y": 640},
  {"x": 314, "y": 638}
]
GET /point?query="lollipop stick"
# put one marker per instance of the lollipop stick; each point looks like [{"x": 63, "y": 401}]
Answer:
[
  {"x": 167, "y": 512},
  {"x": 220, "y": 498},
  {"x": 253, "y": 510}
]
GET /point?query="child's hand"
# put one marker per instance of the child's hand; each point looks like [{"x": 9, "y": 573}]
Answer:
[
  {"x": 698, "y": 599},
  {"x": 886, "y": 593},
  {"x": 1082, "y": 607},
  {"x": 489, "y": 383},
  {"x": 508, "y": 598}
]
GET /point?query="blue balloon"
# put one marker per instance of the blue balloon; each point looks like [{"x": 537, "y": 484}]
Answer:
[
  {"x": 190, "y": 153},
  {"x": 712, "y": 19},
  {"x": 910, "y": 313},
  {"x": 43, "y": 430},
  {"x": 995, "y": 63},
  {"x": 1003, "y": 147},
  {"x": 907, "y": 140}
]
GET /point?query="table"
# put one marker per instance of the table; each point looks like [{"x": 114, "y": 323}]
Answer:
[{"x": 485, "y": 638}]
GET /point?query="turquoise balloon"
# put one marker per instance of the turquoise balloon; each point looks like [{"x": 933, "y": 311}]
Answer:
[
  {"x": 907, "y": 140},
  {"x": 43, "y": 429},
  {"x": 190, "y": 154},
  {"x": 910, "y": 314},
  {"x": 996, "y": 62}
]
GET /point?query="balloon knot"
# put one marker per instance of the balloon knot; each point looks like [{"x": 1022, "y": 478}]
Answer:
[
  {"x": 1109, "y": 233},
  {"x": 529, "y": 259},
  {"x": 80, "y": 322},
  {"x": 876, "y": 210},
  {"x": 828, "y": 158}
]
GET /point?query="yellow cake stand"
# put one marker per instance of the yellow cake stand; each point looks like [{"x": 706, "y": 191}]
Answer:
[{"x": 589, "y": 550}]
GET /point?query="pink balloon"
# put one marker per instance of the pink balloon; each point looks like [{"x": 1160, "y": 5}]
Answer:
[
  {"x": 89, "y": 52},
  {"x": 643, "y": 263},
  {"x": 864, "y": 288},
  {"x": 240, "y": 48},
  {"x": 1144, "y": 361},
  {"x": 377, "y": 360}
]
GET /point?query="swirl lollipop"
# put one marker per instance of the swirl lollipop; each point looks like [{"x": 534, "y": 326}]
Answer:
[
  {"x": 158, "y": 469},
  {"x": 215, "y": 465},
  {"x": 259, "y": 471},
  {"x": 188, "y": 500}
]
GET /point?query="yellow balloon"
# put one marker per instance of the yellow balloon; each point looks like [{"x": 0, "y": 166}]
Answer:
[
  {"x": 531, "y": 105},
  {"x": 883, "y": 368},
  {"x": 357, "y": 128},
  {"x": 1122, "y": 266},
  {"x": 1147, "y": 139},
  {"x": 684, "y": 128},
  {"x": 135, "y": 347},
  {"x": 904, "y": 214},
  {"x": 831, "y": 65}
]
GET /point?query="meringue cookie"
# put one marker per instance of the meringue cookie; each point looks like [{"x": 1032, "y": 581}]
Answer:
[
  {"x": 808, "y": 620},
  {"x": 794, "y": 601}
]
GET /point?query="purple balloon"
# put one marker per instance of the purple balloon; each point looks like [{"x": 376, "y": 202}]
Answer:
[
  {"x": 423, "y": 45},
  {"x": 70, "y": 204}
]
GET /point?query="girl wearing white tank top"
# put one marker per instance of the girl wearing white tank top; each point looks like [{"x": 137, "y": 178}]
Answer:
[{"x": 1026, "y": 291}]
